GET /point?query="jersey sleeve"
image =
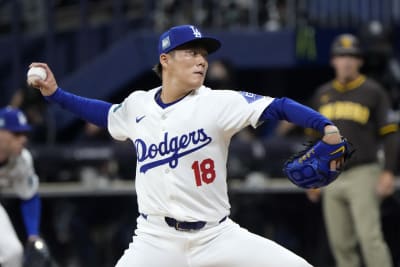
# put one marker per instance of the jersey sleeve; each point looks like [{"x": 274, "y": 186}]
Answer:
[
  {"x": 240, "y": 109},
  {"x": 26, "y": 183},
  {"x": 117, "y": 120},
  {"x": 387, "y": 127},
  {"x": 384, "y": 117}
]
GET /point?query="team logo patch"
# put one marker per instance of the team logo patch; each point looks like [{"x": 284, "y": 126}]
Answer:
[
  {"x": 250, "y": 97},
  {"x": 22, "y": 119},
  {"x": 165, "y": 43},
  {"x": 117, "y": 107}
]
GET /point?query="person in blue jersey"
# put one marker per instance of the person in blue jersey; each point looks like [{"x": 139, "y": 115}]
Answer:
[
  {"x": 18, "y": 174},
  {"x": 181, "y": 131}
]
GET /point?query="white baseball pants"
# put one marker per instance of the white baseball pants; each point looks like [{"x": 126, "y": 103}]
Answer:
[
  {"x": 11, "y": 249},
  {"x": 156, "y": 244}
]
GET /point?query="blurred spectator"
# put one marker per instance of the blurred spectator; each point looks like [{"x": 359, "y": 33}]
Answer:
[
  {"x": 233, "y": 13},
  {"x": 221, "y": 75},
  {"x": 273, "y": 10},
  {"x": 86, "y": 229},
  {"x": 33, "y": 13},
  {"x": 247, "y": 158},
  {"x": 100, "y": 169},
  {"x": 93, "y": 135},
  {"x": 381, "y": 62},
  {"x": 227, "y": 14},
  {"x": 359, "y": 106},
  {"x": 35, "y": 108},
  {"x": 171, "y": 12}
]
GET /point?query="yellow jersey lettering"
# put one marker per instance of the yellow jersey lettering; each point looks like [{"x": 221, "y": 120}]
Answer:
[{"x": 345, "y": 110}]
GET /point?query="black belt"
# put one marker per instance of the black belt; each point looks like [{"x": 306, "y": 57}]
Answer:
[
  {"x": 187, "y": 226},
  {"x": 183, "y": 225}
]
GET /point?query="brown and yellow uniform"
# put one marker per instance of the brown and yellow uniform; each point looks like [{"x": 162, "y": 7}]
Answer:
[
  {"x": 361, "y": 110},
  {"x": 351, "y": 206}
]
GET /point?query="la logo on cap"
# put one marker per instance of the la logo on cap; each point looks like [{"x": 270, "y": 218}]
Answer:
[
  {"x": 184, "y": 34},
  {"x": 196, "y": 32}
]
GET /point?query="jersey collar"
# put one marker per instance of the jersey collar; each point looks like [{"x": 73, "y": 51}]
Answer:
[
  {"x": 350, "y": 85},
  {"x": 157, "y": 98}
]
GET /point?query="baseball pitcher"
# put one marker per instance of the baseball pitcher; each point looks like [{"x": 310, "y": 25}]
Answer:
[{"x": 181, "y": 131}]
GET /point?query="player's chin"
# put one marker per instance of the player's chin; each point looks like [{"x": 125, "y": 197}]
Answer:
[
  {"x": 197, "y": 81},
  {"x": 18, "y": 150}
]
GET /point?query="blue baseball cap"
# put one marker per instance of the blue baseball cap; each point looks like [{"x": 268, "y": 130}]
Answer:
[
  {"x": 183, "y": 34},
  {"x": 13, "y": 120}
]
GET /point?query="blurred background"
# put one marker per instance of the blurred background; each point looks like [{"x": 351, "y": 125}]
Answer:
[{"x": 105, "y": 49}]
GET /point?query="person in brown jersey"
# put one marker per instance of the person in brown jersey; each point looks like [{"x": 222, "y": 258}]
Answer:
[{"x": 360, "y": 107}]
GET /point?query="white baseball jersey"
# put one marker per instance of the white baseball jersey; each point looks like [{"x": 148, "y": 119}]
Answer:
[
  {"x": 182, "y": 149},
  {"x": 20, "y": 175}
]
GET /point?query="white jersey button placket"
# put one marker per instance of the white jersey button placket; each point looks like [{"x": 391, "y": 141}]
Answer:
[{"x": 163, "y": 126}]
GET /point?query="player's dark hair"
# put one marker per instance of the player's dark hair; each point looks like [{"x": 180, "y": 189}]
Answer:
[
  {"x": 158, "y": 70},
  {"x": 158, "y": 67}
]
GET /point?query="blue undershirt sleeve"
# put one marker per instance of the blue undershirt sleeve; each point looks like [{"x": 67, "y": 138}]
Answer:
[
  {"x": 31, "y": 209},
  {"x": 287, "y": 109},
  {"x": 92, "y": 110}
]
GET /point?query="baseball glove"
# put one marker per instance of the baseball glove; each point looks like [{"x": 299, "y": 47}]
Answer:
[
  {"x": 310, "y": 168},
  {"x": 36, "y": 254}
]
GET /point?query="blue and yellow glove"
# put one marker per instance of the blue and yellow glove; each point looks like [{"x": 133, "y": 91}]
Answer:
[{"x": 311, "y": 167}]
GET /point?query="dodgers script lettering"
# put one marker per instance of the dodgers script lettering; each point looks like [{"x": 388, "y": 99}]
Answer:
[{"x": 170, "y": 149}]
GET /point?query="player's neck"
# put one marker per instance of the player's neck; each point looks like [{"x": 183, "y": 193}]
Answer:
[
  {"x": 159, "y": 98},
  {"x": 167, "y": 97},
  {"x": 347, "y": 79},
  {"x": 172, "y": 92}
]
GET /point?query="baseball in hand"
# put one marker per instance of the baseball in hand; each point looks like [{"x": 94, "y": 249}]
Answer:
[{"x": 36, "y": 73}]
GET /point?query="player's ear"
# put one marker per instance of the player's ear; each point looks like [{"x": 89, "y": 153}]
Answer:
[{"x": 163, "y": 59}]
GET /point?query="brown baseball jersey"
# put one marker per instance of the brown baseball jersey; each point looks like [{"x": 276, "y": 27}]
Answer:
[{"x": 361, "y": 110}]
